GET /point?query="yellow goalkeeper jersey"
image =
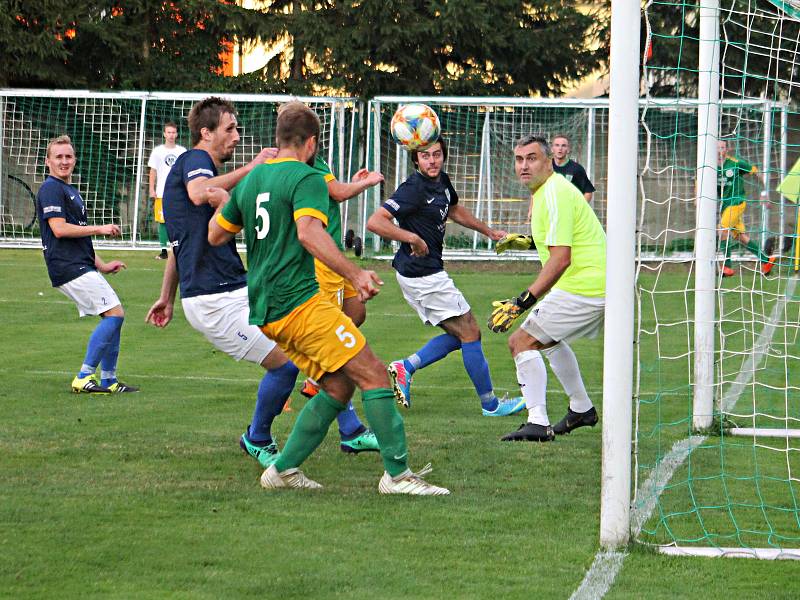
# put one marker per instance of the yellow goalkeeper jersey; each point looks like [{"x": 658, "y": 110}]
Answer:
[{"x": 561, "y": 216}]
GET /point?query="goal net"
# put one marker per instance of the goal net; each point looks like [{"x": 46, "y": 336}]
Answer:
[
  {"x": 480, "y": 135},
  {"x": 114, "y": 134},
  {"x": 721, "y": 480}
]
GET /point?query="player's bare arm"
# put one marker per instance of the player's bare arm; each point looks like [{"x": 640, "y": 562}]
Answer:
[
  {"x": 152, "y": 183},
  {"x": 314, "y": 238},
  {"x": 62, "y": 229},
  {"x": 160, "y": 314},
  {"x": 463, "y": 217},
  {"x": 559, "y": 261},
  {"x": 381, "y": 222},
  {"x": 114, "y": 266},
  {"x": 198, "y": 187},
  {"x": 362, "y": 181}
]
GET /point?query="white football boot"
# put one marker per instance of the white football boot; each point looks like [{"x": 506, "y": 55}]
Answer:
[
  {"x": 290, "y": 478},
  {"x": 410, "y": 483}
]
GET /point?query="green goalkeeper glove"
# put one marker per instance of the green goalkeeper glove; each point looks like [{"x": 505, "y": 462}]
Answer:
[
  {"x": 506, "y": 311},
  {"x": 514, "y": 241}
]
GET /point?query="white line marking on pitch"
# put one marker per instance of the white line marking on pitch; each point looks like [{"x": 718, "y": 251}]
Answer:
[{"x": 608, "y": 563}]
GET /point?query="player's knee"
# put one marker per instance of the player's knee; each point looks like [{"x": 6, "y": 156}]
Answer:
[
  {"x": 520, "y": 341},
  {"x": 467, "y": 329},
  {"x": 116, "y": 311}
]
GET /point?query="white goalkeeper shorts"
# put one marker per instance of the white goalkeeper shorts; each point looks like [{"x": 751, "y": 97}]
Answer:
[
  {"x": 434, "y": 297},
  {"x": 91, "y": 293},
  {"x": 224, "y": 319},
  {"x": 561, "y": 316}
]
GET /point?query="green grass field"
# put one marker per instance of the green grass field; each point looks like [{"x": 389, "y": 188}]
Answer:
[{"x": 149, "y": 496}]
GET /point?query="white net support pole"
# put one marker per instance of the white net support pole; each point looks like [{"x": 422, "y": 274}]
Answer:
[
  {"x": 766, "y": 169},
  {"x": 346, "y": 205},
  {"x": 137, "y": 198},
  {"x": 373, "y": 156},
  {"x": 590, "y": 143},
  {"x": 705, "y": 236},
  {"x": 2, "y": 145},
  {"x": 482, "y": 175},
  {"x": 784, "y": 171},
  {"x": 620, "y": 280}
]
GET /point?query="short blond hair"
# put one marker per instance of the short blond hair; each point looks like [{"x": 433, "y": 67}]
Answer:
[{"x": 57, "y": 141}]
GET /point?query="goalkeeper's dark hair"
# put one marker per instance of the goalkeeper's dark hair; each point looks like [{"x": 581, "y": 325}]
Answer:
[
  {"x": 415, "y": 153},
  {"x": 206, "y": 114},
  {"x": 526, "y": 140},
  {"x": 296, "y": 124}
]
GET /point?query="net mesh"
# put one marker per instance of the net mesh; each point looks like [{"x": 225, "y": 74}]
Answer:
[
  {"x": 716, "y": 487},
  {"x": 114, "y": 136},
  {"x": 480, "y": 136}
]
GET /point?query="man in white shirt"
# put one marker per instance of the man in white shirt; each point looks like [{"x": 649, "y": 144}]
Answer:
[{"x": 161, "y": 160}]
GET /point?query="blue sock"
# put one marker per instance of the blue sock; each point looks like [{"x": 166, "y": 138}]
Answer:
[
  {"x": 98, "y": 343},
  {"x": 349, "y": 423},
  {"x": 478, "y": 371},
  {"x": 108, "y": 363},
  {"x": 274, "y": 389},
  {"x": 436, "y": 349}
]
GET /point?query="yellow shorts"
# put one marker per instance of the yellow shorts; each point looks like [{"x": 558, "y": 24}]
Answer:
[
  {"x": 158, "y": 210},
  {"x": 331, "y": 284},
  {"x": 317, "y": 336},
  {"x": 731, "y": 218}
]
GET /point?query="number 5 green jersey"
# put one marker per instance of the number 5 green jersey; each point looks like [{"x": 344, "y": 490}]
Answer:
[{"x": 266, "y": 204}]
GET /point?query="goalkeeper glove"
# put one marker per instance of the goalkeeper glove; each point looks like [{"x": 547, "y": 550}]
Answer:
[
  {"x": 506, "y": 311},
  {"x": 514, "y": 241}
]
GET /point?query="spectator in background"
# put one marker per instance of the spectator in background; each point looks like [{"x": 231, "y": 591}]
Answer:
[
  {"x": 570, "y": 169},
  {"x": 161, "y": 160}
]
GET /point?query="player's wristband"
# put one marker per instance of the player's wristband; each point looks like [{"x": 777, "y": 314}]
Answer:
[{"x": 525, "y": 300}]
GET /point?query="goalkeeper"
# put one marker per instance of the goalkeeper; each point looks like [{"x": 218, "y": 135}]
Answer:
[{"x": 572, "y": 248}]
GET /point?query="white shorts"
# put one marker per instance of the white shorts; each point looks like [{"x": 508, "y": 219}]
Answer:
[
  {"x": 434, "y": 297},
  {"x": 562, "y": 316},
  {"x": 223, "y": 319},
  {"x": 91, "y": 293}
]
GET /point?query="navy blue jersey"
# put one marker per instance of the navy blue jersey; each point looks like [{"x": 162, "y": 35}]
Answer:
[
  {"x": 575, "y": 174},
  {"x": 420, "y": 205},
  {"x": 202, "y": 268},
  {"x": 66, "y": 258}
]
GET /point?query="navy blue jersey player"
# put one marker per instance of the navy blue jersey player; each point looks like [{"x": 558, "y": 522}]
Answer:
[
  {"x": 73, "y": 268},
  {"x": 422, "y": 205},
  {"x": 213, "y": 280}
]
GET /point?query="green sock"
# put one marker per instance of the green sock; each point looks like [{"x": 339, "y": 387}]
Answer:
[
  {"x": 753, "y": 247},
  {"x": 728, "y": 251},
  {"x": 163, "y": 239},
  {"x": 387, "y": 424},
  {"x": 309, "y": 430}
]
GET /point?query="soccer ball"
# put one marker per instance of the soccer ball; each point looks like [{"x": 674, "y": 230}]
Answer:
[{"x": 415, "y": 126}]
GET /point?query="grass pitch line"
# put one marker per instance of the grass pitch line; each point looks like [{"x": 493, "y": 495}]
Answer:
[
  {"x": 608, "y": 563},
  {"x": 753, "y": 361}
]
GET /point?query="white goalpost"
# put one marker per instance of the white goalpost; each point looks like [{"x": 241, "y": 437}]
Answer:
[{"x": 715, "y": 376}]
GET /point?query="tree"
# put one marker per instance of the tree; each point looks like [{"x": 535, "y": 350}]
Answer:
[
  {"x": 751, "y": 42},
  {"x": 469, "y": 47},
  {"x": 135, "y": 44},
  {"x": 33, "y": 34}
]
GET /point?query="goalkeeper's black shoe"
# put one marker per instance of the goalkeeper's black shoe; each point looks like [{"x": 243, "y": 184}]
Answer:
[
  {"x": 573, "y": 420},
  {"x": 530, "y": 432}
]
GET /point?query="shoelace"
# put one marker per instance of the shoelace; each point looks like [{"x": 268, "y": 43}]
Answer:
[{"x": 423, "y": 471}]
